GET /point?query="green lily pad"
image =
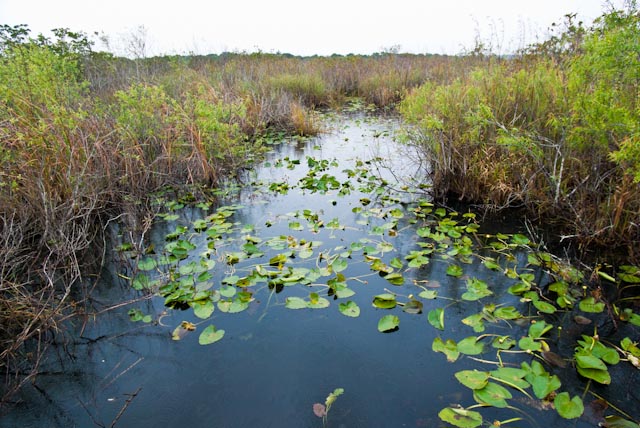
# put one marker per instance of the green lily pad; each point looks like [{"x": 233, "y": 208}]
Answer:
[
  {"x": 385, "y": 301},
  {"x": 568, "y": 408},
  {"x": 388, "y": 323},
  {"x": 511, "y": 376},
  {"x": 470, "y": 346},
  {"x": 461, "y": 418},
  {"x": 436, "y": 318},
  {"x": 147, "y": 264},
  {"x": 473, "y": 379},
  {"x": 455, "y": 271},
  {"x": 476, "y": 289},
  {"x": 492, "y": 394},
  {"x": 295, "y": 303},
  {"x": 349, "y": 308},
  {"x": 210, "y": 335},
  {"x": 590, "y": 305},
  {"x": 428, "y": 294},
  {"x": 395, "y": 278},
  {"x": 203, "y": 309},
  {"x": 448, "y": 348}
]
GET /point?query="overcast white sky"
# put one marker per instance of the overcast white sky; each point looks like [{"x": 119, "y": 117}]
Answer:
[{"x": 305, "y": 28}]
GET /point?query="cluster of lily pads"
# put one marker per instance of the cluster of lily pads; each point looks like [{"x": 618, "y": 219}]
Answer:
[{"x": 217, "y": 263}]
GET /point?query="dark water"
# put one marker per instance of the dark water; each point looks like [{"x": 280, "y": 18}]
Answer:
[{"x": 274, "y": 363}]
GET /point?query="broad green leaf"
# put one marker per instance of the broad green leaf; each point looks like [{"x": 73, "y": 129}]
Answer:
[
  {"x": 590, "y": 362},
  {"x": 295, "y": 303},
  {"x": 470, "y": 346},
  {"x": 544, "y": 307},
  {"x": 428, "y": 294},
  {"x": 589, "y": 304},
  {"x": 476, "y": 289},
  {"x": 203, "y": 309},
  {"x": 349, "y": 308},
  {"x": 396, "y": 263},
  {"x": 476, "y": 321},
  {"x": 339, "y": 265},
  {"x": 384, "y": 301},
  {"x": 503, "y": 342},
  {"x": 436, "y": 318},
  {"x": 567, "y": 407},
  {"x": 461, "y": 418},
  {"x": 473, "y": 379},
  {"x": 147, "y": 264},
  {"x": 600, "y": 376},
  {"x": 388, "y": 322},
  {"x": 454, "y": 270},
  {"x": 507, "y": 313},
  {"x": 527, "y": 343},
  {"x": 395, "y": 278},
  {"x": 449, "y": 348},
  {"x": 492, "y": 394},
  {"x": 538, "y": 329},
  {"x": 210, "y": 335},
  {"x": 413, "y": 307},
  {"x": 511, "y": 376}
]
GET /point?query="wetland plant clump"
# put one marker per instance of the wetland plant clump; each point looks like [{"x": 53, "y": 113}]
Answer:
[{"x": 555, "y": 130}]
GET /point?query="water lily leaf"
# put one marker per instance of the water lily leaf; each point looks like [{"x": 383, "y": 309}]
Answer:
[
  {"x": 318, "y": 303},
  {"x": 180, "y": 331},
  {"x": 210, "y": 335},
  {"x": 476, "y": 321},
  {"x": 203, "y": 309},
  {"x": 350, "y": 309},
  {"x": 529, "y": 344},
  {"x": 396, "y": 263},
  {"x": 568, "y": 408},
  {"x": 141, "y": 281},
  {"x": 511, "y": 376},
  {"x": 470, "y": 346},
  {"x": 295, "y": 303},
  {"x": 448, "y": 348},
  {"x": 473, "y": 379},
  {"x": 507, "y": 313},
  {"x": 413, "y": 307},
  {"x": 503, "y": 342},
  {"x": 147, "y": 264},
  {"x": 428, "y": 294},
  {"x": 344, "y": 292},
  {"x": 491, "y": 264},
  {"x": 388, "y": 323},
  {"x": 590, "y": 362},
  {"x": 339, "y": 264},
  {"x": 541, "y": 381},
  {"x": 460, "y": 417},
  {"x": 543, "y": 306},
  {"x": 589, "y": 304},
  {"x": 436, "y": 318},
  {"x": 384, "y": 301},
  {"x": 476, "y": 289},
  {"x": 227, "y": 291},
  {"x": 492, "y": 394},
  {"x": 538, "y": 329},
  {"x": 600, "y": 376},
  {"x": 395, "y": 278},
  {"x": 454, "y": 270}
]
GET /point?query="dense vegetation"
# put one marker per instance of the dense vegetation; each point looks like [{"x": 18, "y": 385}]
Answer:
[
  {"x": 86, "y": 137},
  {"x": 555, "y": 130}
]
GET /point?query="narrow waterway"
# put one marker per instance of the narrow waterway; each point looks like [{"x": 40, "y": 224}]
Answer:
[{"x": 326, "y": 269}]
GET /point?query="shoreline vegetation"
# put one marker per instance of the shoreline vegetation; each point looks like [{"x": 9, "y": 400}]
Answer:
[{"x": 86, "y": 137}]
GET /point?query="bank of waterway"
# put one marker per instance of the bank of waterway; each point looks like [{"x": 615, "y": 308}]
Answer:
[{"x": 325, "y": 270}]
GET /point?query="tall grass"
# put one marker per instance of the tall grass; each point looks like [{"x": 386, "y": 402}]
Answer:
[{"x": 556, "y": 133}]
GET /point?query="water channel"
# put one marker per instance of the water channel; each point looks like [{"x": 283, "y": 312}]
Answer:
[{"x": 274, "y": 262}]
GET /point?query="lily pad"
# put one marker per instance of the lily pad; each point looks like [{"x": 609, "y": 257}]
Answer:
[
  {"x": 473, "y": 379},
  {"x": 449, "y": 348},
  {"x": 461, "y": 418},
  {"x": 492, "y": 394},
  {"x": 210, "y": 335},
  {"x": 436, "y": 318},
  {"x": 568, "y": 408},
  {"x": 350, "y": 309},
  {"x": 388, "y": 323}
]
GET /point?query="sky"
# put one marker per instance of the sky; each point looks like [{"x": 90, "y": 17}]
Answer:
[{"x": 303, "y": 27}]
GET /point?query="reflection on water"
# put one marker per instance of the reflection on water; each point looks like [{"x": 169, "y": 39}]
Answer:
[{"x": 274, "y": 363}]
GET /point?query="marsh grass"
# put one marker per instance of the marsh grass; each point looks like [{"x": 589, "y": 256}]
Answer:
[{"x": 554, "y": 130}]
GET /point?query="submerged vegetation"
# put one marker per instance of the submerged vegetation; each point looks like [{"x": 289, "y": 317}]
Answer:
[{"x": 88, "y": 140}]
